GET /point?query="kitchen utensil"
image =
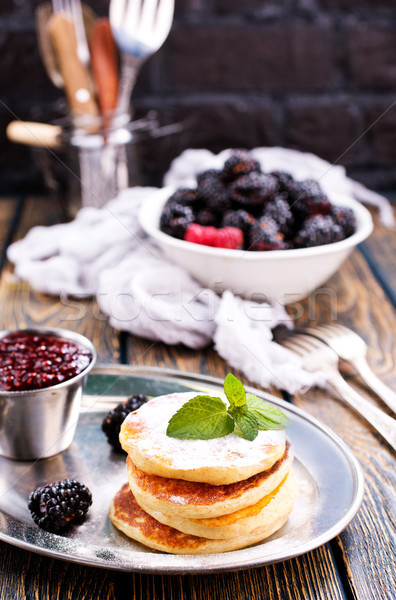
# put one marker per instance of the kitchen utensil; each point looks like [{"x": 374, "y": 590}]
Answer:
[
  {"x": 34, "y": 134},
  {"x": 74, "y": 9},
  {"x": 317, "y": 356},
  {"x": 47, "y": 52},
  {"x": 105, "y": 69},
  {"x": 349, "y": 346},
  {"x": 140, "y": 27},
  {"x": 75, "y": 75},
  {"x": 41, "y": 423},
  {"x": 45, "y": 135}
]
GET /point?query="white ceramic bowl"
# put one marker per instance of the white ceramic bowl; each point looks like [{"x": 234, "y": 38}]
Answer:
[{"x": 283, "y": 275}]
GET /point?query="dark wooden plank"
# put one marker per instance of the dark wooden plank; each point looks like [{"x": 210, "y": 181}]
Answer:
[
  {"x": 355, "y": 298},
  {"x": 24, "y": 307},
  {"x": 27, "y": 575},
  {"x": 379, "y": 250},
  {"x": 24, "y": 575},
  {"x": 8, "y": 215}
]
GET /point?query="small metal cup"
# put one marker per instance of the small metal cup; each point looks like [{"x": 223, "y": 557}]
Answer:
[{"x": 41, "y": 423}]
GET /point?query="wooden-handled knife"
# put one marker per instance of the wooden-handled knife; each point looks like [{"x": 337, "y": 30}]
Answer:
[{"x": 105, "y": 68}]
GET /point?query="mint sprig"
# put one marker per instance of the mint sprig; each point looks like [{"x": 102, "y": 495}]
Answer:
[
  {"x": 201, "y": 418},
  {"x": 208, "y": 417}
]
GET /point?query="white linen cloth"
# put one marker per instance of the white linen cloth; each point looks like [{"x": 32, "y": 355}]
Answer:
[{"x": 104, "y": 252}]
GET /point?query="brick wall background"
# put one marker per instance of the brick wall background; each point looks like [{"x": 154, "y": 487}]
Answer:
[{"x": 317, "y": 75}]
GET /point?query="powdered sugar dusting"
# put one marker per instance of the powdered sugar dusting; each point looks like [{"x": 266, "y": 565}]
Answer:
[{"x": 228, "y": 451}]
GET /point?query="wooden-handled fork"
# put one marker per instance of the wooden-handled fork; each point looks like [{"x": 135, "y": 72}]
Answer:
[{"x": 78, "y": 87}]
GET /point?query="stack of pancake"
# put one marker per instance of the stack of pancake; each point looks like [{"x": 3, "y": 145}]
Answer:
[{"x": 200, "y": 496}]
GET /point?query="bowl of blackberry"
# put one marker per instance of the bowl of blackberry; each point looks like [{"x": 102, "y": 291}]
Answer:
[{"x": 259, "y": 234}]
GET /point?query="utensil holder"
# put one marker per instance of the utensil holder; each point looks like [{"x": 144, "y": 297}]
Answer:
[{"x": 107, "y": 164}]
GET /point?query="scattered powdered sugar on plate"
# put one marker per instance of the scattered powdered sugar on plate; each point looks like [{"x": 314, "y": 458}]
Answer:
[{"x": 228, "y": 451}]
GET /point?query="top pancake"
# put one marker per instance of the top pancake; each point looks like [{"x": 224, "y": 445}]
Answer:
[{"x": 218, "y": 461}]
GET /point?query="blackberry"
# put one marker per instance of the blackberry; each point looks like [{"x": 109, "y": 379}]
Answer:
[
  {"x": 175, "y": 219},
  {"x": 265, "y": 235},
  {"x": 253, "y": 191},
  {"x": 57, "y": 506},
  {"x": 112, "y": 422},
  {"x": 345, "y": 217},
  {"x": 308, "y": 199},
  {"x": 318, "y": 231},
  {"x": 285, "y": 180},
  {"x": 240, "y": 219},
  {"x": 213, "y": 192},
  {"x": 279, "y": 210},
  {"x": 209, "y": 174},
  {"x": 184, "y": 197},
  {"x": 207, "y": 218},
  {"x": 239, "y": 163}
]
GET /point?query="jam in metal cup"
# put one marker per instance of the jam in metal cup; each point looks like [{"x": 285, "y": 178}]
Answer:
[{"x": 41, "y": 423}]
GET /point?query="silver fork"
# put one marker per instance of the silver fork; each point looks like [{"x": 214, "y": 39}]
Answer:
[
  {"x": 349, "y": 346},
  {"x": 140, "y": 27},
  {"x": 317, "y": 356}
]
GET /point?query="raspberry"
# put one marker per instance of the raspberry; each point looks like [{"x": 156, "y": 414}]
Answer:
[
  {"x": 198, "y": 234},
  {"x": 56, "y": 506},
  {"x": 229, "y": 237}
]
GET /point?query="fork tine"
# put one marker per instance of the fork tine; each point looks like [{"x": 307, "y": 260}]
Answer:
[
  {"x": 117, "y": 12},
  {"x": 292, "y": 347},
  {"x": 298, "y": 345},
  {"x": 335, "y": 329},
  {"x": 147, "y": 18},
  {"x": 309, "y": 343},
  {"x": 164, "y": 18},
  {"x": 133, "y": 14}
]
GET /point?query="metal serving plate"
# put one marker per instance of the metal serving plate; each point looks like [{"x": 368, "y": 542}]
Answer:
[{"x": 330, "y": 485}]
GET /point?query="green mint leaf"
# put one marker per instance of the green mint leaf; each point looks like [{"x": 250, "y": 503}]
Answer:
[
  {"x": 267, "y": 415},
  {"x": 245, "y": 422},
  {"x": 201, "y": 418},
  {"x": 234, "y": 391}
]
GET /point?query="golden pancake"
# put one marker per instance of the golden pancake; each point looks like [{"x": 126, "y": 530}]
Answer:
[
  {"x": 132, "y": 520},
  {"x": 217, "y": 461},
  {"x": 240, "y": 523},
  {"x": 202, "y": 500}
]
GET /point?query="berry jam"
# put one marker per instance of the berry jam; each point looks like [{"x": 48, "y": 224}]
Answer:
[{"x": 31, "y": 361}]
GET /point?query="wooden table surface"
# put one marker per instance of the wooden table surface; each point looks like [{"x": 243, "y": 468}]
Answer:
[{"x": 359, "y": 563}]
